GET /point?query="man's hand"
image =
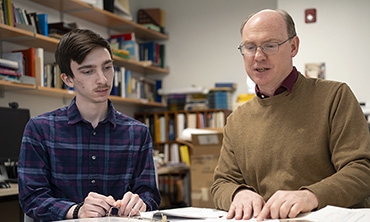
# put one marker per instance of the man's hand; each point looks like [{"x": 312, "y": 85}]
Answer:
[
  {"x": 246, "y": 204},
  {"x": 288, "y": 204},
  {"x": 95, "y": 205},
  {"x": 130, "y": 205}
]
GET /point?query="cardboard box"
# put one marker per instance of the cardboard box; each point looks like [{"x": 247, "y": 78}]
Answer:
[
  {"x": 205, "y": 144},
  {"x": 204, "y": 159}
]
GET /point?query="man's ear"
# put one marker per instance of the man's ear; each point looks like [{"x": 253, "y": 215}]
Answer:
[
  {"x": 67, "y": 80},
  {"x": 295, "y": 46}
]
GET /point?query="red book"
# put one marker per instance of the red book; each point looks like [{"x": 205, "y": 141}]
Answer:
[
  {"x": 126, "y": 36},
  {"x": 29, "y": 61}
]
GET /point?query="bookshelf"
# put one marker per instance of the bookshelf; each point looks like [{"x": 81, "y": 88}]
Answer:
[
  {"x": 91, "y": 14},
  {"x": 165, "y": 126}
]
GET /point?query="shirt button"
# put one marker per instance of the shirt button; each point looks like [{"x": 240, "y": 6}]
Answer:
[
  {"x": 93, "y": 157},
  {"x": 94, "y": 133},
  {"x": 93, "y": 181}
]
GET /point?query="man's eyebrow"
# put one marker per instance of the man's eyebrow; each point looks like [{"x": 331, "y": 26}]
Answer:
[
  {"x": 86, "y": 67},
  {"x": 108, "y": 61},
  {"x": 94, "y": 66}
]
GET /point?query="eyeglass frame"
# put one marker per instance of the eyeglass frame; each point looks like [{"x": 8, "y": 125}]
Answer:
[{"x": 262, "y": 49}]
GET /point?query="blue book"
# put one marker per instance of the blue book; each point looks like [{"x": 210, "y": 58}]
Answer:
[
  {"x": 43, "y": 23},
  {"x": 149, "y": 51},
  {"x": 158, "y": 85},
  {"x": 115, "y": 85}
]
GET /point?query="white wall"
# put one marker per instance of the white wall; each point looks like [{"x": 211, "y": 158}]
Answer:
[
  {"x": 203, "y": 40},
  {"x": 340, "y": 38}
]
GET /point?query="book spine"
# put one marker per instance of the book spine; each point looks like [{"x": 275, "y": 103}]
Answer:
[
  {"x": 43, "y": 23},
  {"x": 9, "y": 72},
  {"x": 9, "y": 12},
  {"x": 9, "y": 63}
]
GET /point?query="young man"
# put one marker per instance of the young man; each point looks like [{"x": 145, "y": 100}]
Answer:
[
  {"x": 300, "y": 144},
  {"x": 79, "y": 161}
]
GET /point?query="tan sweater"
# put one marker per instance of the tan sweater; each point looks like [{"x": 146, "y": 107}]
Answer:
[{"x": 316, "y": 138}]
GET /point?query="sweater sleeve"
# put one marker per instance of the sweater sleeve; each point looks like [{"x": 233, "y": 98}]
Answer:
[
  {"x": 350, "y": 154},
  {"x": 227, "y": 176}
]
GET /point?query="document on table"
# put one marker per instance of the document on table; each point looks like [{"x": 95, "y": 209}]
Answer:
[
  {"x": 338, "y": 214},
  {"x": 184, "y": 214},
  {"x": 195, "y": 214}
]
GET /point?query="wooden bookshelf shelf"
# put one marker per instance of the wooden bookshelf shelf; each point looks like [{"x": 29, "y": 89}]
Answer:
[
  {"x": 101, "y": 17},
  {"x": 62, "y": 93},
  {"x": 27, "y": 38},
  {"x": 11, "y": 86},
  {"x": 139, "y": 66}
]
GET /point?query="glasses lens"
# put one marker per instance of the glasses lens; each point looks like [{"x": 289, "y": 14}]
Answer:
[
  {"x": 270, "y": 48},
  {"x": 250, "y": 49}
]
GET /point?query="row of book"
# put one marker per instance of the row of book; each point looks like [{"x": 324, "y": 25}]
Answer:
[
  {"x": 127, "y": 85},
  {"x": 173, "y": 190},
  {"x": 30, "y": 62},
  {"x": 18, "y": 17},
  {"x": 138, "y": 50},
  {"x": 26, "y": 63},
  {"x": 152, "y": 18},
  {"x": 167, "y": 128}
]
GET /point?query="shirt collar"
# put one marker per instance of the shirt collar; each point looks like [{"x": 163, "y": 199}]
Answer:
[
  {"x": 286, "y": 85},
  {"x": 74, "y": 114}
]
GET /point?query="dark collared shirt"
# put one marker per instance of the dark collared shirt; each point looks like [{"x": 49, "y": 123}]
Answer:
[
  {"x": 63, "y": 158},
  {"x": 287, "y": 84}
]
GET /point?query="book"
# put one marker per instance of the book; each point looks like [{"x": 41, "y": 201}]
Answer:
[
  {"x": 15, "y": 56},
  {"x": 9, "y": 63},
  {"x": 184, "y": 153},
  {"x": 9, "y": 72},
  {"x": 149, "y": 51},
  {"x": 152, "y": 27},
  {"x": 39, "y": 66},
  {"x": 162, "y": 129},
  {"x": 43, "y": 23},
  {"x": 126, "y": 41},
  {"x": 174, "y": 153},
  {"x": 154, "y": 16},
  {"x": 34, "y": 21},
  {"x": 191, "y": 120},
  {"x": 29, "y": 60},
  {"x": 108, "y": 5},
  {"x": 158, "y": 85},
  {"x": 9, "y": 12},
  {"x": 122, "y": 81},
  {"x": 126, "y": 36},
  {"x": 180, "y": 119},
  {"x": 2, "y": 21},
  {"x": 122, "y": 9},
  {"x": 226, "y": 85}
]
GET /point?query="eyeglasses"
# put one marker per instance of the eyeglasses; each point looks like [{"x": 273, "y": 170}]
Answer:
[{"x": 269, "y": 48}]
